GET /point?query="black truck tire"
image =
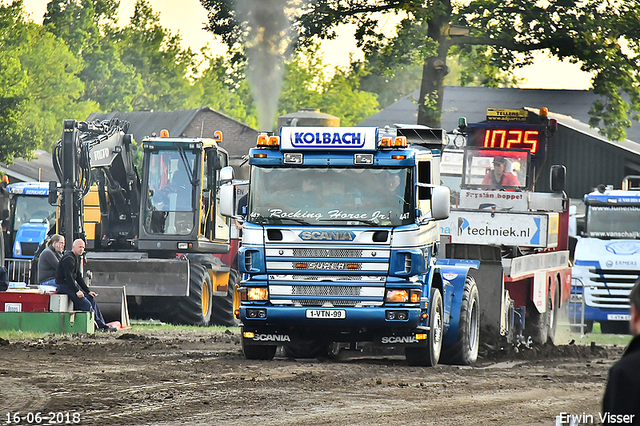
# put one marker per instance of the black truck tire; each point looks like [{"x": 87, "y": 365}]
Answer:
[
  {"x": 588, "y": 328},
  {"x": 614, "y": 327},
  {"x": 222, "y": 307},
  {"x": 312, "y": 349},
  {"x": 465, "y": 350},
  {"x": 536, "y": 323},
  {"x": 553, "y": 313},
  {"x": 428, "y": 356},
  {"x": 195, "y": 309},
  {"x": 259, "y": 352},
  {"x": 1, "y": 248}
]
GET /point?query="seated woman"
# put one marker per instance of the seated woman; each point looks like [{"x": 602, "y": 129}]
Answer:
[{"x": 49, "y": 259}]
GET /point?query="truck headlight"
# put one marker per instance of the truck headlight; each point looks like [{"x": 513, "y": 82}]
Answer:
[
  {"x": 256, "y": 294},
  {"x": 397, "y": 296},
  {"x": 17, "y": 249},
  {"x": 403, "y": 296}
]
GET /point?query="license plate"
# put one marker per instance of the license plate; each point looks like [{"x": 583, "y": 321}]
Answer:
[
  {"x": 575, "y": 298},
  {"x": 613, "y": 317},
  {"x": 326, "y": 313}
]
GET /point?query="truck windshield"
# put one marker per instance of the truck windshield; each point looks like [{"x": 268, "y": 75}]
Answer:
[
  {"x": 331, "y": 196},
  {"x": 495, "y": 169},
  {"x": 169, "y": 207},
  {"x": 30, "y": 208},
  {"x": 612, "y": 222},
  {"x": 451, "y": 173}
]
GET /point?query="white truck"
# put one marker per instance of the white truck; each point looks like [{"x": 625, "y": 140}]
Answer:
[{"x": 607, "y": 257}]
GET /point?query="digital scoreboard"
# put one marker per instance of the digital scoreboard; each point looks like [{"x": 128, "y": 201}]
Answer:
[{"x": 531, "y": 137}]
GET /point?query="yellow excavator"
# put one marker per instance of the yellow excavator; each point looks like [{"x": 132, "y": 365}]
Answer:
[{"x": 158, "y": 234}]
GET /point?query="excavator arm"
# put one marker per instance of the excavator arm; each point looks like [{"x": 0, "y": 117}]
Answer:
[{"x": 98, "y": 152}]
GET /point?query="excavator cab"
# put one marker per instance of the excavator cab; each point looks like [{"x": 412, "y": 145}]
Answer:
[
  {"x": 178, "y": 209},
  {"x": 156, "y": 237}
]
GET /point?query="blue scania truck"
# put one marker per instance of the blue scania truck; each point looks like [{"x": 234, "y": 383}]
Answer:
[
  {"x": 340, "y": 245},
  {"x": 25, "y": 224}
]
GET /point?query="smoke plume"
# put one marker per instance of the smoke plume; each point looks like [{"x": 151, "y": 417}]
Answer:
[{"x": 268, "y": 40}]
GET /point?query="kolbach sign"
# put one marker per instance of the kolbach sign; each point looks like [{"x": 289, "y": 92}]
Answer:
[
  {"x": 501, "y": 228},
  {"x": 328, "y": 138}
]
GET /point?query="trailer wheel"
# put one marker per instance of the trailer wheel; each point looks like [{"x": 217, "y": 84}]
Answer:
[
  {"x": 195, "y": 309},
  {"x": 465, "y": 350},
  {"x": 261, "y": 352},
  {"x": 222, "y": 307},
  {"x": 536, "y": 323},
  {"x": 428, "y": 356}
]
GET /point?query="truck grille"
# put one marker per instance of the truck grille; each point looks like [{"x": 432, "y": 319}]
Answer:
[
  {"x": 344, "y": 303},
  {"x": 315, "y": 252},
  {"x": 337, "y": 278},
  {"x": 320, "y": 290},
  {"x": 29, "y": 249},
  {"x": 327, "y": 275},
  {"x": 609, "y": 288}
]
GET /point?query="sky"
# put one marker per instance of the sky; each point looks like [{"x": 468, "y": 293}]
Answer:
[{"x": 188, "y": 18}]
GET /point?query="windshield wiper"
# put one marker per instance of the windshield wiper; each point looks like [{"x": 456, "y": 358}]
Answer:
[
  {"x": 367, "y": 221},
  {"x": 277, "y": 220},
  {"x": 294, "y": 219}
]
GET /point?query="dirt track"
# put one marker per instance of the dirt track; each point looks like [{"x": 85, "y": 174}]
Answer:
[{"x": 200, "y": 378}]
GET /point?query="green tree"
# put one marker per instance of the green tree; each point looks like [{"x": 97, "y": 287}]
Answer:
[
  {"x": 89, "y": 28},
  {"x": 38, "y": 85},
  {"x": 15, "y": 135},
  {"x": 54, "y": 88},
  {"x": 307, "y": 85},
  {"x": 138, "y": 67},
  {"x": 304, "y": 82},
  {"x": 80, "y": 22},
  {"x": 222, "y": 88},
  {"x": 343, "y": 98},
  {"x": 603, "y": 36},
  {"x": 163, "y": 66}
]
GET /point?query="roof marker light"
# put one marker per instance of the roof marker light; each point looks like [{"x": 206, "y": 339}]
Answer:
[
  {"x": 385, "y": 142},
  {"x": 274, "y": 141},
  {"x": 400, "y": 142},
  {"x": 263, "y": 138},
  {"x": 266, "y": 141}
]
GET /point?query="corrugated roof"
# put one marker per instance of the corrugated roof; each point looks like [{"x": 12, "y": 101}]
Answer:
[
  {"x": 581, "y": 127},
  {"x": 146, "y": 123},
  {"x": 40, "y": 169},
  {"x": 472, "y": 102}
]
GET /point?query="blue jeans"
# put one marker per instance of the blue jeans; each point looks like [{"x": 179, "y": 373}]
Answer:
[
  {"x": 50, "y": 281},
  {"x": 85, "y": 304}
]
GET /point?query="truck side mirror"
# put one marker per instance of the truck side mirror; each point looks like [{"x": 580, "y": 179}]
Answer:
[
  {"x": 226, "y": 174},
  {"x": 227, "y": 200},
  {"x": 557, "y": 178},
  {"x": 53, "y": 193},
  {"x": 4, "y": 203},
  {"x": 440, "y": 202}
]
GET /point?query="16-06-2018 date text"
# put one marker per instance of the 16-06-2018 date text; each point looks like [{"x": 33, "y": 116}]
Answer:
[{"x": 43, "y": 418}]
